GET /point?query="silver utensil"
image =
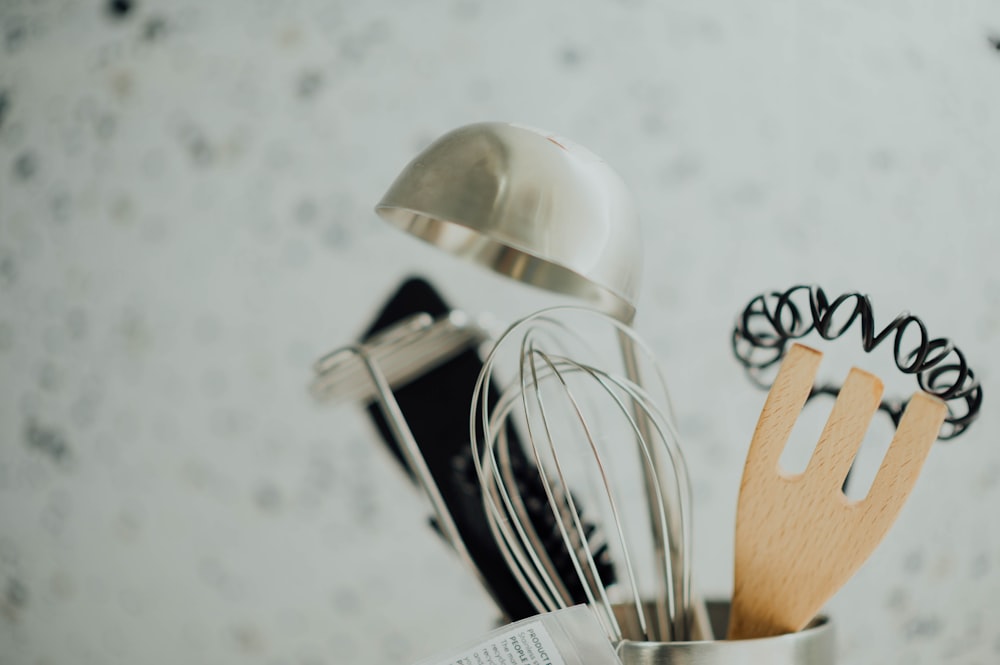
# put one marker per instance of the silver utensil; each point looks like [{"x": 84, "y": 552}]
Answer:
[
  {"x": 402, "y": 352},
  {"x": 528, "y": 205},
  {"x": 534, "y": 207},
  {"x": 407, "y": 349},
  {"x": 581, "y": 416}
]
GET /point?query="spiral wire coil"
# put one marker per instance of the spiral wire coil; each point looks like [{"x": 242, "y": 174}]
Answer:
[
  {"x": 585, "y": 425},
  {"x": 771, "y": 320}
]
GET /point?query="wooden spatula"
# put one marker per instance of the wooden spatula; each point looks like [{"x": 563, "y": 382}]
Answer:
[{"x": 798, "y": 537}]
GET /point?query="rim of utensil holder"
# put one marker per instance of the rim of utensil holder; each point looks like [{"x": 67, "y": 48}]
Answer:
[
  {"x": 772, "y": 320},
  {"x": 813, "y": 645}
]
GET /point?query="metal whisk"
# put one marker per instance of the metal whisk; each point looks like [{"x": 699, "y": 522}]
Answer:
[{"x": 589, "y": 427}]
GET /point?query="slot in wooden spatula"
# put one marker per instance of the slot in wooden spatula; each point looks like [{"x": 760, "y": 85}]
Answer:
[{"x": 798, "y": 537}]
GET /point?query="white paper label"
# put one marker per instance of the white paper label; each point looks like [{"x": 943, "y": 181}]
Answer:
[{"x": 526, "y": 644}]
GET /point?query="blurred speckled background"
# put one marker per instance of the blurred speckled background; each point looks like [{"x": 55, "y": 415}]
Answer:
[{"x": 185, "y": 225}]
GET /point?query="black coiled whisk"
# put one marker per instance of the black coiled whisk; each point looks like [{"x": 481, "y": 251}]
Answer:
[{"x": 771, "y": 320}]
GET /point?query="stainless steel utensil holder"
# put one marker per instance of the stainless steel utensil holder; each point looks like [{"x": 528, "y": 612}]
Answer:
[{"x": 812, "y": 646}]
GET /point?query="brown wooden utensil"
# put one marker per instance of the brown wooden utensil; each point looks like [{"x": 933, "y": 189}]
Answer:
[{"x": 798, "y": 537}]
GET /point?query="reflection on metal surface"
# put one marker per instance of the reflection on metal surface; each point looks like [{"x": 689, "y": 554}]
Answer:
[
  {"x": 814, "y": 645},
  {"x": 530, "y": 206}
]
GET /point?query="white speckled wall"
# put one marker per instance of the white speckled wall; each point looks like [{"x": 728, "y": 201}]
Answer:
[{"x": 186, "y": 194}]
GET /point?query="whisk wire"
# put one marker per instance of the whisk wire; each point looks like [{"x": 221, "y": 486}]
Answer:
[
  {"x": 549, "y": 382},
  {"x": 665, "y": 597},
  {"x": 518, "y": 567},
  {"x": 592, "y": 567},
  {"x": 562, "y": 597},
  {"x": 519, "y": 543}
]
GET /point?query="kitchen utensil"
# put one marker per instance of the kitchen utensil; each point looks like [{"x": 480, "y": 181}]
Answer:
[
  {"x": 428, "y": 355},
  {"x": 404, "y": 351},
  {"x": 346, "y": 365},
  {"x": 581, "y": 420},
  {"x": 798, "y": 537},
  {"x": 526, "y": 204},
  {"x": 531, "y": 206},
  {"x": 772, "y": 320}
]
